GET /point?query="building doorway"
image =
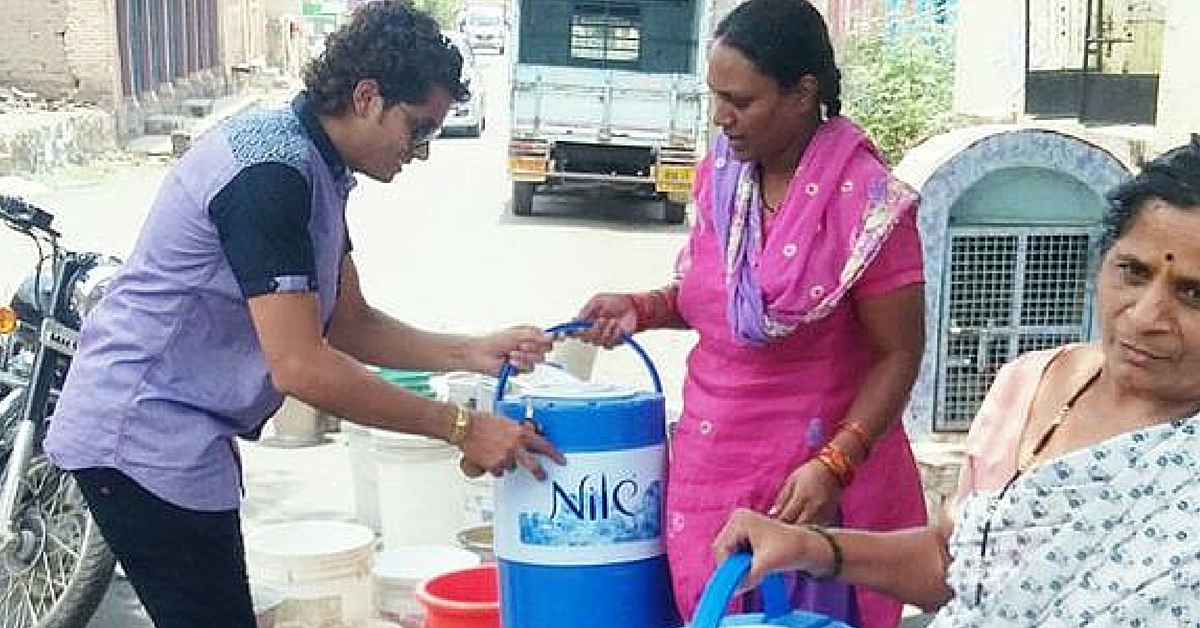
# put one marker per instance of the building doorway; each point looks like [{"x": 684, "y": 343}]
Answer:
[{"x": 1095, "y": 60}]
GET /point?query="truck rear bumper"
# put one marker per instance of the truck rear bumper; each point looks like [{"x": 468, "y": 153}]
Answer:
[{"x": 666, "y": 170}]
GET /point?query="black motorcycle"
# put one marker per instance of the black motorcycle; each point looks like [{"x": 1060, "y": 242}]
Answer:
[{"x": 54, "y": 565}]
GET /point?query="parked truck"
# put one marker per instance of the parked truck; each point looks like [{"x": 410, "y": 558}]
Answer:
[{"x": 609, "y": 93}]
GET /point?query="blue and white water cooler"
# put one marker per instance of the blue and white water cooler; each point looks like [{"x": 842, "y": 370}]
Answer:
[{"x": 584, "y": 548}]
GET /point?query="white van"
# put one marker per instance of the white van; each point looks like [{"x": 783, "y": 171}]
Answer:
[{"x": 467, "y": 118}]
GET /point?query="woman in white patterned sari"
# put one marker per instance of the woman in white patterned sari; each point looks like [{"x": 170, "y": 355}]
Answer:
[{"x": 1079, "y": 498}]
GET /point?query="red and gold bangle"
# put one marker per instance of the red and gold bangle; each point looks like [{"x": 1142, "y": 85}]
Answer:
[
  {"x": 641, "y": 308},
  {"x": 860, "y": 434},
  {"x": 654, "y": 308},
  {"x": 838, "y": 464}
]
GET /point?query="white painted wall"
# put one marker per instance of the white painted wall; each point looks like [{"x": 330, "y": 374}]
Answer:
[
  {"x": 1179, "y": 83},
  {"x": 989, "y": 77}
]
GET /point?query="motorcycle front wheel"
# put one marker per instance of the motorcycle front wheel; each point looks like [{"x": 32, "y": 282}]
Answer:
[{"x": 56, "y": 573}]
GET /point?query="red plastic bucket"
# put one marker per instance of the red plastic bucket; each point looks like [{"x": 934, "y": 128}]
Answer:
[{"x": 467, "y": 598}]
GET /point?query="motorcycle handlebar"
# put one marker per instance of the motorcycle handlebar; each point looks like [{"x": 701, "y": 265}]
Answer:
[{"x": 24, "y": 216}]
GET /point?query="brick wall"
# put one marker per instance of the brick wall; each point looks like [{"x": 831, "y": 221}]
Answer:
[
  {"x": 91, "y": 49},
  {"x": 33, "y": 54},
  {"x": 59, "y": 48}
]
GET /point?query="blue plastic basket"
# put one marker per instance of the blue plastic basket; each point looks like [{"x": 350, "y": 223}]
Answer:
[{"x": 778, "y": 611}]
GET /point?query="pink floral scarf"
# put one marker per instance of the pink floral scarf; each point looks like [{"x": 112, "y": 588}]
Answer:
[{"x": 840, "y": 208}]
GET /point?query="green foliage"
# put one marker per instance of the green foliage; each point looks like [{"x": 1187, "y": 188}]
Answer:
[{"x": 899, "y": 85}]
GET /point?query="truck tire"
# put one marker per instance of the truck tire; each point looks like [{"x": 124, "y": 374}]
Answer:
[
  {"x": 522, "y": 198},
  {"x": 674, "y": 213}
]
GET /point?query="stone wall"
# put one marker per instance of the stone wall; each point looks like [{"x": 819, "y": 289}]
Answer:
[{"x": 36, "y": 141}]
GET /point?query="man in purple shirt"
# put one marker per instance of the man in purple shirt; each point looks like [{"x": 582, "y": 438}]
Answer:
[{"x": 242, "y": 289}]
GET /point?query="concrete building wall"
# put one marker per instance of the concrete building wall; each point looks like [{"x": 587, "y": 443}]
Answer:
[
  {"x": 279, "y": 48},
  {"x": 989, "y": 79},
  {"x": 1179, "y": 84},
  {"x": 846, "y": 17},
  {"x": 60, "y": 48},
  {"x": 243, "y": 31}
]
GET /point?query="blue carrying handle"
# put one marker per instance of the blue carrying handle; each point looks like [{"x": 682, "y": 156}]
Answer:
[
  {"x": 573, "y": 326},
  {"x": 721, "y": 587}
]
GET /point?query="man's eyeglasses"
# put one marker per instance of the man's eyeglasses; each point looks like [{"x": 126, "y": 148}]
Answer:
[{"x": 421, "y": 131}]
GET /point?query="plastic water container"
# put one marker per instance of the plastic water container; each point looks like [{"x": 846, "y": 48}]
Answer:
[
  {"x": 462, "y": 599},
  {"x": 584, "y": 548},
  {"x": 479, "y": 504},
  {"x": 472, "y": 390},
  {"x": 399, "y": 571},
  {"x": 364, "y": 475},
  {"x": 265, "y": 602},
  {"x": 420, "y": 489},
  {"x": 295, "y": 424},
  {"x": 417, "y": 382},
  {"x": 322, "y": 569},
  {"x": 777, "y": 608},
  {"x": 479, "y": 541}
]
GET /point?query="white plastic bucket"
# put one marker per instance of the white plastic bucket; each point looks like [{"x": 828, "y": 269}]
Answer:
[
  {"x": 420, "y": 490},
  {"x": 479, "y": 540},
  {"x": 398, "y": 571},
  {"x": 322, "y": 568},
  {"x": 295, "y": 424},
  {"x": 478, "y": 501},
  {"x": 364, "y": 474},
  {"x": 468, "y": 389},
  {"x": 266, "y": 602}
]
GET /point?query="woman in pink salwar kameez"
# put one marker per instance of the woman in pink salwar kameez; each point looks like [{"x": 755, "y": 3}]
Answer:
[{"x": 803, "y": 278}]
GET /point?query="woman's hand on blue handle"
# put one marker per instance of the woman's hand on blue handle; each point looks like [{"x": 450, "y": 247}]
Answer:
[
  {"x": 613, "y": 317},
  {"x": 775, "y": 546}
]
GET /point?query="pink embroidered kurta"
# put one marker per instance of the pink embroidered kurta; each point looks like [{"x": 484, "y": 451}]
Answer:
[{"x": 749, "y": 410}]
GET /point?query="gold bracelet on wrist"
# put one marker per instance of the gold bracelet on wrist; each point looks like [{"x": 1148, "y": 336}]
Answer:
[{"x": 460, "y": 427}]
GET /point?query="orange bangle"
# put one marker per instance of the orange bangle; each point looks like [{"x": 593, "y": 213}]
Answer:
[
  {"x": 838, "y": 464},
  {"x": 860, "y": 434}
]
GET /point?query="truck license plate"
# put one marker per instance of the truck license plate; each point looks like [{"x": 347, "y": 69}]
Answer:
[{"x": 674, "y": 179}]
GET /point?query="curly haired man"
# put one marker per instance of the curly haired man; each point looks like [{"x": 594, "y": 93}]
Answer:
[{"x": 242, "y": 289}]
